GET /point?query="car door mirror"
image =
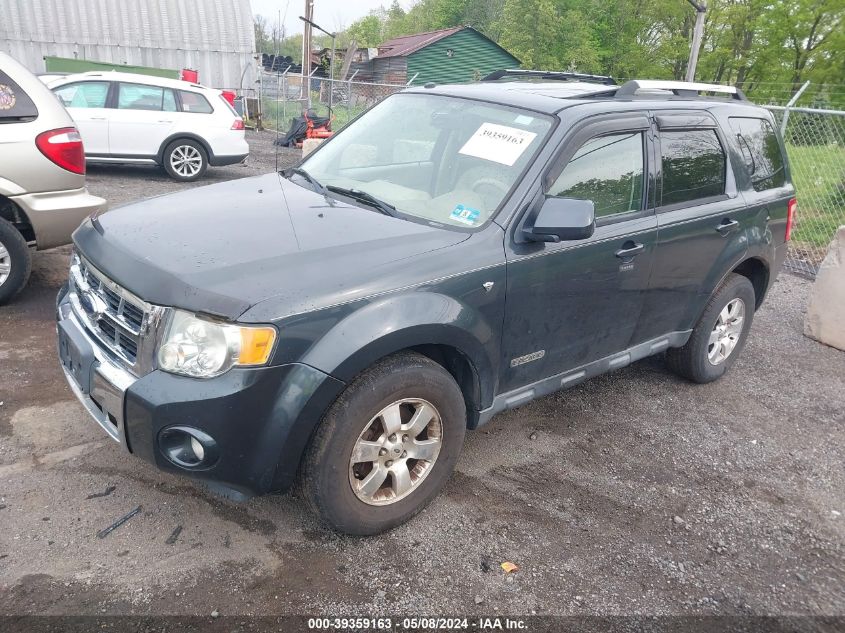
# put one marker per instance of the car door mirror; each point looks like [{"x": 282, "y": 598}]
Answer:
[{"x": 562, "y": 219}]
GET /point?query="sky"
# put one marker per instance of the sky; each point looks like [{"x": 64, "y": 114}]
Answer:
[{"x": 332, "y": 15}]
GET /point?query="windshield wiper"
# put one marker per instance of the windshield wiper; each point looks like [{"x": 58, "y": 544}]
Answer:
[
  {"x": 362, "y": 196},
  {"x": 318, "y": 186}
]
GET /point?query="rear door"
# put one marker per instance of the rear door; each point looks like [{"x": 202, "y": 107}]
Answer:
[
  {"x": 141, "y": 120},
  {"x": 702, "y": 221},
  {"x": 87, "y": 102},
  {"x": 571, "y": 303}
]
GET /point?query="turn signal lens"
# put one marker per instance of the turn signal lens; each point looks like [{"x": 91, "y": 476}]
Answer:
[
  {"x": 256, "y": 345},
  {"x": 791, "y": 208}
]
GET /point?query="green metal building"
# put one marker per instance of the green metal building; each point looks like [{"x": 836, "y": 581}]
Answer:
[{"x": 455, "y": 55}]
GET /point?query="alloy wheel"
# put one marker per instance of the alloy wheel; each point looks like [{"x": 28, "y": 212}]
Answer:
[
  {"x": 726, "y": 332},
  {"x": 186, "y": 161},
  {"x": 396, "y": 451},
  {"x": 5, "y": 264}
]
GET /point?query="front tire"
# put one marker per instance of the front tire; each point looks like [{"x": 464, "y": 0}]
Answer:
[
  {"x": 386, "y": 447},
  {"x": 15, "y": 261},
  {"x": 720, "y": 334},
  {"x": 185, "y": 160}
]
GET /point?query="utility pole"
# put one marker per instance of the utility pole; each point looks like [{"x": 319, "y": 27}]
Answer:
[
  {"x": 309, "y": 22},
  {"x": 306, "y": 51},
  {"x": 697, "y": 33}
]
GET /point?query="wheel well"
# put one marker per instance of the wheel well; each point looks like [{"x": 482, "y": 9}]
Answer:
[
  {"x": 758, "y": 274},
  {"x": 184, "y": 137},
  {"x": 15, "y": 216},
  {"x": 462, "y": 371}
]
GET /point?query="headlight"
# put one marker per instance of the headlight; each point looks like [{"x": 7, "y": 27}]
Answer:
[{"x": 203, "y": 349}]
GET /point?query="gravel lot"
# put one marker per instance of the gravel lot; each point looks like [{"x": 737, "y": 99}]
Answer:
[{"x": 635, "y": 493}]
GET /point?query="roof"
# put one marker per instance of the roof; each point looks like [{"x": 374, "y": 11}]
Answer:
[
  {"x": 407, "y": 44},
  {"x": 552, "y": 97},
  {"x": 214, "y": 36},
  {"x": 134, "y": 78}
]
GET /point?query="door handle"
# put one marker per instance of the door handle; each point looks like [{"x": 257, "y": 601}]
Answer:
[
  {"x": 630, "y": 249},
  {"x": 166, "y": 121},
  {"x": 727, "y": 226},
  {"x": 98, "y": 118}
]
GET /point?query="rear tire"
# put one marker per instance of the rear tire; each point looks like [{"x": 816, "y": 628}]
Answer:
[
  {"x": 720, "y": 334},
  {"x": 15, "y": 261},
  {"x": 351, "y": 477},
  {"x": 185, "y": 160}
]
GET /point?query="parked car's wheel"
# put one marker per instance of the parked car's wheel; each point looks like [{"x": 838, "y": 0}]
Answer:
[
  {"x": 386, "y": 447},
  {"x": 185, "y": 160},
  {"x": 15, "y": 261},
  {"x": 719, "y": 335}
]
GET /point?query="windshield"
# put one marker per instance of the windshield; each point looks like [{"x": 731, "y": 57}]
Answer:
[{"x": 441, "y": 159}]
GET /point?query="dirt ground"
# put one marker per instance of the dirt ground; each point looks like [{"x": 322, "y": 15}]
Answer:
[{"x": 635, "y": 493}]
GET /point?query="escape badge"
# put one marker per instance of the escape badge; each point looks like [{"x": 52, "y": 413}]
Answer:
[{"x": 7, "y": 98}]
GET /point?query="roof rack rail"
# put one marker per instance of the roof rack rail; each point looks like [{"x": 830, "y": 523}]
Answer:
[
  {"x": 678, "y": 88},
  {"x": 556, "y": 75}
]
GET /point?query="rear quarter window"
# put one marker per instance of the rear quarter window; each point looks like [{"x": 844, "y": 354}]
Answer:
[
  {"x": 15, "y": 105},
  {"x": 194, "y": 102},
  {"x": 761, "y": 152}
]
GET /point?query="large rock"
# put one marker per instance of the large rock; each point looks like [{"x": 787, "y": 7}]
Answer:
[{"x": 825, "y": 320}]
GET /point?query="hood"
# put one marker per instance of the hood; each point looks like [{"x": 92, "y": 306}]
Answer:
[{"x": 226, "y": 247}]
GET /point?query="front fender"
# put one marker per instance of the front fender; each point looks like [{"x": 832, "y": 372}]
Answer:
[{"x": 400, "y": 321}]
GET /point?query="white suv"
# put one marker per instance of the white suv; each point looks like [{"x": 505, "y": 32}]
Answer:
[{"x": 141, "y": 119}]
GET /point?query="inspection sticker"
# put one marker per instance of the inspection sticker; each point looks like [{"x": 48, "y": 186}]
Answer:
[
  {"x": 465, "y": 215},
  {"x": 7, "y": 97},
  {"x": 498, "y": 143}
]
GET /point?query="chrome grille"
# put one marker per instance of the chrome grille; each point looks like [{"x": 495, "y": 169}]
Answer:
[{"x": 113, "y": 314}]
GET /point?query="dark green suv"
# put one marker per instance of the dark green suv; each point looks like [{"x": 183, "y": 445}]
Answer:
[{"x": 454, "y": 252}]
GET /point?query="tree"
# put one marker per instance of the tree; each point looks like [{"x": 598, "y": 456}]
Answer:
[
  {"x": 263, "y": 42},
  {"x": 367, "y": 32}
]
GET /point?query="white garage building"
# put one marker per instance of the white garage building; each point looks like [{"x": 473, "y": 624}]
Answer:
[{"x": 215, "y": 37}]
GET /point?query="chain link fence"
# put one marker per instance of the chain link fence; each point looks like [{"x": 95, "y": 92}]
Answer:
[
  {"x": 285, "y": 96},
  {"x": 815, "y": 143},
  {"x": 814, "y": 136}
]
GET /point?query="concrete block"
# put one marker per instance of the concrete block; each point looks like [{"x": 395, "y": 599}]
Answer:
[
  {"x": 309, "y": 145},
  {"x": 825, "y": 319}
]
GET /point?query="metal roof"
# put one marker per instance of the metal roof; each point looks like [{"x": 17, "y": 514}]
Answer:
[
  {"x": 215, "y": 37},
  {"x": 407, "y": 44}
]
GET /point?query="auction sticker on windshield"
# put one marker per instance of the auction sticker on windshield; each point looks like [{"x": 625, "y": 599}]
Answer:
[{"x": 498, "y": 143}]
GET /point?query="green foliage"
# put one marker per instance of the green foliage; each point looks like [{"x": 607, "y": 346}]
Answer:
[{"x": 769, "y": 47}]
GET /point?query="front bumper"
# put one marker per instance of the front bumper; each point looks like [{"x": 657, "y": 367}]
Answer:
[
  {"x": 55, "y": 215},
  {"x": 260, "y": 418}
]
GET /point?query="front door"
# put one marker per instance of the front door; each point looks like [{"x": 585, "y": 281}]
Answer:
[{"x": 571, "y": 303}]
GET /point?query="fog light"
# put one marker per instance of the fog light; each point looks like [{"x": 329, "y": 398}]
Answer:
[
  {"x": 199, "y": 451},
  {"x": 188, "y": 447}
]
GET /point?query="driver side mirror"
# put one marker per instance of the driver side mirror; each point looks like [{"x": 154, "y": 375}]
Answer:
[{"x": 562, "y": 219}]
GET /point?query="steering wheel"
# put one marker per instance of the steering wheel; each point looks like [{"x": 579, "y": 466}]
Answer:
[{"x": 479, "y": 185}]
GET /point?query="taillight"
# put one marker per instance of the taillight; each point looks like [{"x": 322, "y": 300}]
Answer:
[
  {"x": 791, "y": 207},
  {"x": 63, "y": 147},
  {"x": 238, "y": 124}
]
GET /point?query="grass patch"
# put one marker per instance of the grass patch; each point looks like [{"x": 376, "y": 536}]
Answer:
[{"x": 818, "y": 172}]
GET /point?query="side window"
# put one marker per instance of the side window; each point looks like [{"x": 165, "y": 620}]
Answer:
[
  {"x": 693, "y": 165},
  {"x": 15, "y": 104},
  {"x": 85, "y": 94},
  {"x": 761, "y": 151},
  {"x": 609, "y": 170},
  {"x": 141, "y": 97},
  {"x": 194, "y": 102}
]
